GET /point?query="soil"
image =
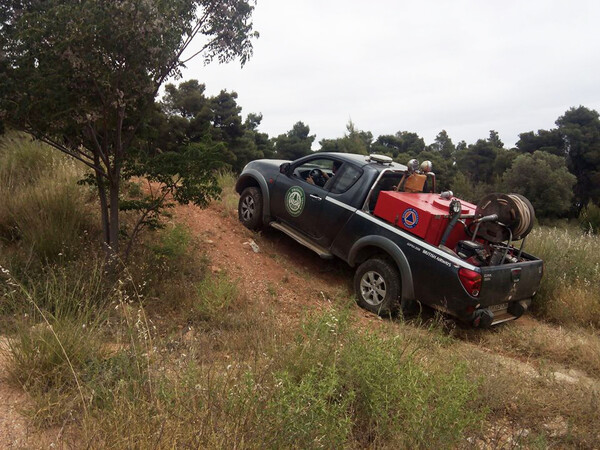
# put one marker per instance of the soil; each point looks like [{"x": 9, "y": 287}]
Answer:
[{"x": 278, "y": 269}]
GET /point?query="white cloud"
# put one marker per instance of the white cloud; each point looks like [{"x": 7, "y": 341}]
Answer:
[{"x": 464, "y": 66}]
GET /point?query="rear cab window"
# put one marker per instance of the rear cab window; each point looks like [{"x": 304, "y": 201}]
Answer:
[{"x": 345, "y": 178}]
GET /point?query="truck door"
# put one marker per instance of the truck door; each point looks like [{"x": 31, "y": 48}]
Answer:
[{"x": 299, "y": 196}]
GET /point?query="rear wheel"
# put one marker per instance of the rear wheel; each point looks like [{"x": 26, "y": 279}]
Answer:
[
  {"x": 377, "y": 286},
  {"x": 250, "y": 208}
]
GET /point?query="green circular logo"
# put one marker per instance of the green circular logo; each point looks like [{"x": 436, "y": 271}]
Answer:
[{"x": 294, "y": 201}]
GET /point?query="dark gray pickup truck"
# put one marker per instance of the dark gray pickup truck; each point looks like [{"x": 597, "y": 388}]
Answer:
[{"x": 408, "y": 247}]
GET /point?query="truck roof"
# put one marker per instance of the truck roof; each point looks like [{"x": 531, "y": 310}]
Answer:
[{"x": 363, "y": 160}]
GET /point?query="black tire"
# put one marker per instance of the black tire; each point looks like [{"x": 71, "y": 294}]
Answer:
[
  {"x": 377, "y": 287},
  {"x": 250, "y": 208}
]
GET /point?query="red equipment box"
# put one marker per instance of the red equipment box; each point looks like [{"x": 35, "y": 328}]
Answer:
[{"x": 424, "y": 215}]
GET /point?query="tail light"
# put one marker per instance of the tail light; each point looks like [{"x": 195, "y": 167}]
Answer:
[{"x": 470, "y": 280}]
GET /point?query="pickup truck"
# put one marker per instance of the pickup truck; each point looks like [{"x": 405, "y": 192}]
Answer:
[{"x": 430, "y": 248}]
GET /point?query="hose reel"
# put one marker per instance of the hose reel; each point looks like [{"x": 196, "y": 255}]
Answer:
[{"x": 515, "y": 217}]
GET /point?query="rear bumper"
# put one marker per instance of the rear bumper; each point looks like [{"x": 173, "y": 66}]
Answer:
[{"x": 490, "y": 316}]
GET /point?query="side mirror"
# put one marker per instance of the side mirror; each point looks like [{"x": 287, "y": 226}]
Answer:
[{"x": 284, "y": 168}]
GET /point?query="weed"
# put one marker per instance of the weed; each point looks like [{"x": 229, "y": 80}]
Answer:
[
  {"x": 392, "y": 398},
  {"x": 272, "y": 289},
  {"x": 217, "y": 296},
  {"x": 173, "y": 242}
]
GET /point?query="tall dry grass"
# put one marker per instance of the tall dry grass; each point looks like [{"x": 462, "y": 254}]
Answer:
[
  {"x": 41, "y": 206},
  {"x": 570, "y": 289},
  {"x": 229, "y": 198}
]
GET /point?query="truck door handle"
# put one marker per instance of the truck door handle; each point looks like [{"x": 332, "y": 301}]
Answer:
[{"x": 315, "y": 197}]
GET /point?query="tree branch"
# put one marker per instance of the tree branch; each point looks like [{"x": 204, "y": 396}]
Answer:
[
  {"x": 79, "y": 156},
  {"x": 140, "y": 222},
  {"x": 101, "y": 153}
]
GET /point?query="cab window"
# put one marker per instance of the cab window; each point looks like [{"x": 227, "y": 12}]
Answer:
[
  {"x": 345, "y": 178},
  {"x": 316, "y": 171}
]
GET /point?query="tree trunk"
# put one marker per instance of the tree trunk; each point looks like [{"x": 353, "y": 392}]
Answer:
[
  {"x": 103, "y": 212},
  {"x": 114, "y": 217}
]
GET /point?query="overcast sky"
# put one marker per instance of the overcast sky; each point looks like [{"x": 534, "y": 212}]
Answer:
[{"x": 465, "y": 66}]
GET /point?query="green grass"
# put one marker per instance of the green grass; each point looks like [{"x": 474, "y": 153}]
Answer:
[{"x": 331, "y": 387}]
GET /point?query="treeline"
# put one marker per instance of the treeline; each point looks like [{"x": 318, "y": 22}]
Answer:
[{"x": 557, "y": 169}]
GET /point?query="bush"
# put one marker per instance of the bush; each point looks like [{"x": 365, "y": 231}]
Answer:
[{"x": 392, "y": 399}]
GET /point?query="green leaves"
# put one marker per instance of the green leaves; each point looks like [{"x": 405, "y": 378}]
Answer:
[
  {"x": 544, "y": 179},
  {"x": 82, "y": 76},
  {"x": 295, "y": 143}
]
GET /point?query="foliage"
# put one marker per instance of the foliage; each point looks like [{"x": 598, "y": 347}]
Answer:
[
  {"x": 401, "y": 142},
  {"x": 443, "y": 145},
  {"x": 463, "y": 188},
  {"x": 191, "y": 117},
  {"x": 390, "y": 398},
  {"x": 580, "y": 130},
  {"x": 82, "y": 76},
  {"x": 189, "y": 176},
  {"x": 477, "y": 161},
  {"x": 549, "y": 141},
  {"x": 354, "y": 141},
  {"x": 544, "y": 179},
  {"x": 295, "y": 143},
  {"x": 577, "y": 137},
  {"x": 444, "y": 169},
  {"x": 495, "y": 140}
]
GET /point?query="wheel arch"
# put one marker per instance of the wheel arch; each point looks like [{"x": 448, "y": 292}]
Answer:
[
  {"x": 253, "y": 178},
  {"x": 370, "y": 246}
]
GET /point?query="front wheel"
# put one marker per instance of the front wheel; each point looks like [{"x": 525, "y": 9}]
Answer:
[
  {"x": 250, "y": 208},
  {"x": 377, "y": 286}
]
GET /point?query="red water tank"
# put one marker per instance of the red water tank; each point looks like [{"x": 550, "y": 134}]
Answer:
[{"x": 424, "y": 215}]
